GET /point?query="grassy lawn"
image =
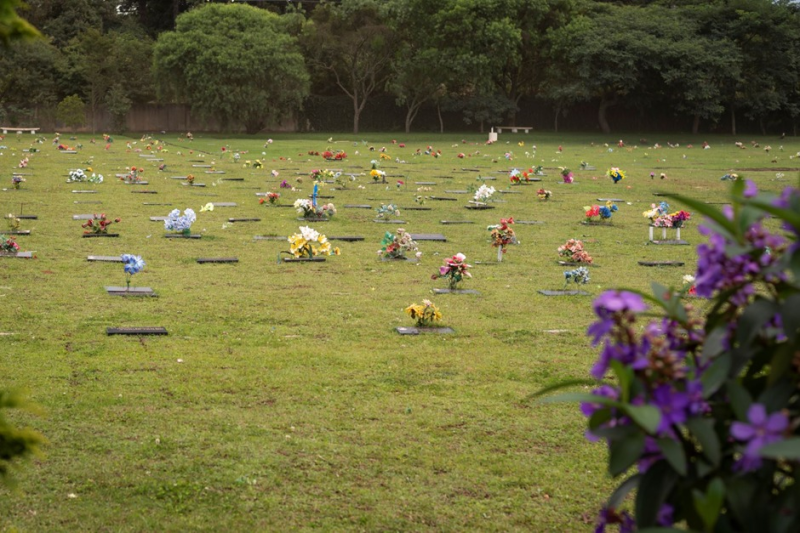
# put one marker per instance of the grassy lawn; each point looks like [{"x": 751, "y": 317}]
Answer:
[{"x": 283, "y": 398}]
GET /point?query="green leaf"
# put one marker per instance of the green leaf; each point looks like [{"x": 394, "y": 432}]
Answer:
[
  {"x": 615, "y": 500},
  {"x": 715, "y": 375},
  {"x": 784, "y": 214},
  {"x": 703, "y": 431},
  {"x": 624, "y": 375},
  {"x": 647, "y": 416},
  {"x": 781, "y": 363},
  {"x": 654, "y": 487},
  {"x": 599, "y": 417},
  {"x": 661, "y": 293},
  {"x": 562, "y": 385},
  {"x": 790, "y": 315},
  {"x": 713, "y": 344},
  {"x": 705, "y": 209},
  {"x": 753, "y": 319},
  {"x": 674, "y": 454},
  {"x": 785, "y": 449},
  {"x": 624, "y": 452},
  {"x": 740, "y": 399},
  {"x": 709, "y": 504}
]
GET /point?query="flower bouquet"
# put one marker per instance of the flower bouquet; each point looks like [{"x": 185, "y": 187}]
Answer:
[
  {"x": 566, "y": 174},
  {"x": 730, "y": 177},
  {"x": 502, "y": 236},
  {"x": 309, "y": 244},
  {"x": 8, "y": 245},
  {"x": 544, "y": 194},
  {"x": 323, "y": 175},
  {"x": 483, "y": 194},
  {"x": 78, "y": 175},
  {"x": 16, "y": 181},
  {"x": 689, "y": 286},
  {"x": 134, "y": 175},
  {"x": 23, "y": 163},
  {"x": 377, "y": 175},
  {"x": 578, "y": 276},
  {"x": 388, "y": 210},
  {"x": 398, "y": 246},
  {"x": 190, "y": 179},
  {"x": 311, "y": 211},
  {"x": 656, "y": 211},
  {"x": 271, "y": 198},
  {"x": 615, "y": 174},
  {"x": 455, "y": 269},
  {"x": 330, "y": 156},
  {"x": 181, "y": 224},
  {"x": 98, "y": 225},
  {"x": 603, "y": 212},
  {"x": 133, "y": 265},
  {"x": 573, "y": 252},
  {"x": 426, "y": 314}
]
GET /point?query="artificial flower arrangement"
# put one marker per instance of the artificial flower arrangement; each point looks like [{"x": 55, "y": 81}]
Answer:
[
  {"x": 573, "y": 251},
  {"x": 330, "y": 156},
  {"x": 23, "y": 163},
  {"x": 13, "y": 222},
  {"x": 425, "y": 315},
  {"x": 8, "y": 245},
  {"x": 604, "y": 212},
  {"x": 190, "y": 179},
  {"x": 566, "y": 174},
  {"x": 308, "y": 209},
  {"x": 270, "y": 199},
  {"x": 586, "y": 166},
  {"x": 376, "y": 173},
  {"x": 133, "y": 264},
  {"x": 615, "y": 174},
  {"x": 730, "y": 177},
  {"x": 180, "y": 223},
  {"x": 78, "y": 175},
  {"x": 388, "y": 210},
  {"x": 544, "y": 194},
  {"x": 455, "y": 269},
  {"x": 578, "y": 276},
  {"x": 285, "y": 185},
  {"x": 483, "y": 194},
  {"x": 134, "y": 175},
  {"x": 16, "y": 181},
  {"x": 660, "y": 217},
  {"x": 502, "y": 235},
  {"x": 515, "y": 176},
  {"x": 689, "y": 285},
  {"x": 398, "y": 246},
  {"x": 309, "y": 243},
  {"x": 98, "y": 225},
  {"x": 323, "y": 175}
]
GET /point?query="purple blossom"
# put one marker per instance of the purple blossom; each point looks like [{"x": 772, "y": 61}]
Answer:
[
  {"x": 697, "y": 404},
  {"x": 761, "y": 430},
  {"x": 665, "y": 517},
  {"x": 651, "y": 454},
  {"x": 750, "y": 189},
  {"x": 610, "y": 517},
  {"x": 673, "y": 406},
  {"x": 616, "y": 301}
]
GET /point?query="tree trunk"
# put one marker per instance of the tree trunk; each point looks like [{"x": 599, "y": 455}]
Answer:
[
  {"x": 601, "y": 114},
  {"x": 481, "y": 125},
  {"x": 761, "y": 125},
  {"x": 555, "y": 120},
  {"x": 411, "y": 114},
  {"x": 356, "y": 115},
  {"x": 733, "y": 121},
  {"x": 696, "y": 125},
  {"x": 441, "y": 121}
]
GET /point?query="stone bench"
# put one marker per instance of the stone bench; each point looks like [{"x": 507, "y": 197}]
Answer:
[
  {"x": 18, "y": 130},
  {"x": 514, "y": 129}
]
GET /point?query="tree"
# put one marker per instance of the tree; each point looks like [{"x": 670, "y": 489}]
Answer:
[
  {"x": 118, "y": 104},
  {"x": 12, "y": 26},
  {"x": 92, "y": 67},
  {"x": 352, "y": 43},
  {"x": 232, "y": 63},
  {"x": 72, "y": 111},
  {"x": 30, "y": 78}
]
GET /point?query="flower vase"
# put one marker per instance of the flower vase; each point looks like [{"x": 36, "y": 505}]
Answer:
[{"x": 499, "y": 254}]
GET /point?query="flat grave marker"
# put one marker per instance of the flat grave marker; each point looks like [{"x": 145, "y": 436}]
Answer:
[
  {"x": 346, "y": 238},
  {"x": 130, "y": 291},
  {"x": 273, "y": 238},
  {"x": 203, "y": 260},
  {"x": 18, "y": 255},
  {"x": 244, "y": 220},
  {"x": 84, "y": 192},
  {"x": 443, "y": 199},
  {"x": 436, "y": 237},
  {"x": 105, "y": 258},
  {"x": 455, "y": 291},
  {"x": 419, "y": 331},
  {"x": 564, "y": 293},
  {"x": 224, "y": 204},
  {"x": 357, "y": 206},
  {"x": 662, "y": 263},
  {"x": 456, "y": 222}
]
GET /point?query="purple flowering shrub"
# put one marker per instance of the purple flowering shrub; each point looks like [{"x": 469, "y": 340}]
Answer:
[{"x": 702, "y": 416}]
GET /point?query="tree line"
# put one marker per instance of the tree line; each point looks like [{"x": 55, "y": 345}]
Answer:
[{"x": 247, "y": 66}]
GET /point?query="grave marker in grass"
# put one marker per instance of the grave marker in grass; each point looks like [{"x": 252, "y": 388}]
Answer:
[
  {"x": 203, "y": 260},
  {"x": 138, "y": 331}
]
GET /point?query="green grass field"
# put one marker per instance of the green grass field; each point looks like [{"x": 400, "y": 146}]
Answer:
[{"x": 283, "y": 399}]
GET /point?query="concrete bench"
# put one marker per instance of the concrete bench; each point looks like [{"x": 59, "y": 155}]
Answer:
[
  {"x": 514, "y": 129},
  {"x": 18, "y": 130}
]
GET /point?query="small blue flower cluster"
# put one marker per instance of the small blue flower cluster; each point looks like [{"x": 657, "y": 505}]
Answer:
[{"x": 181, "y": 223}]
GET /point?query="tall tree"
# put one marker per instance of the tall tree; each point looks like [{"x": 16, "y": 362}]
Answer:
[
  {"x": 351, "y": 42},
  {"x": 30, "y": 78},
  {"x": 232, "y": 63}
]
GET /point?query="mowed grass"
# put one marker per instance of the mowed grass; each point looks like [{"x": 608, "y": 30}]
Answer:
[{"x": 282, "y": 398}]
